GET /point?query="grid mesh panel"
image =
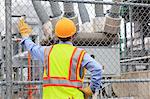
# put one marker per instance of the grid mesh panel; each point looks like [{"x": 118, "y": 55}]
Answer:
[{"x": 116, "y": 34}]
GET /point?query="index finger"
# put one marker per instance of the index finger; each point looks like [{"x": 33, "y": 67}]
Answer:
[{"x": 21, "y": 21}]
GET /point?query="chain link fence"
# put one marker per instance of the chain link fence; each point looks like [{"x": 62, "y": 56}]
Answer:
[{"x": 116, "y": 33}]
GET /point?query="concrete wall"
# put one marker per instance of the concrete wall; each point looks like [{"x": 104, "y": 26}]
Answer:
[{"x": 137, "y": 90}]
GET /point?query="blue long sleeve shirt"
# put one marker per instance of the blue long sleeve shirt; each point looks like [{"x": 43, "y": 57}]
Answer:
[{"x": 88, "y": 62}]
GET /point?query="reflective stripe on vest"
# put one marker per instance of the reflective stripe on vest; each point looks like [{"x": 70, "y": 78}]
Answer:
[
  {"x": 76, "y": 62},
  {"x": 79, "y": 66},
  {"x": 46, "y": 53},
  {"x": 62, "y": 82},
  {"x": 73, "y": 79}
]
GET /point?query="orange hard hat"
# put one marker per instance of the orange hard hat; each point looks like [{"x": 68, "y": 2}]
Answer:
[{"x": 65, "y": 28}]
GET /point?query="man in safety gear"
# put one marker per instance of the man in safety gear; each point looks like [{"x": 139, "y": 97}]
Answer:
[{"x": 63, "y": 63}]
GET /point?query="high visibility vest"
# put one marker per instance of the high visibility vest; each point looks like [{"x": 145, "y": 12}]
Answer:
[{"x": 61, "y": 72}]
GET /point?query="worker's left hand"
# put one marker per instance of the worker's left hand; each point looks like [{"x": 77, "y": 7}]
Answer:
[
  {"x": 24, "y": 28},
  {"x": 87, "y": 92}
]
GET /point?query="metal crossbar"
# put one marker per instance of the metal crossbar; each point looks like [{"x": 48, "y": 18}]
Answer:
[
  {"x": 100, "y": 2},
  {"x": 86, "y": 81}
]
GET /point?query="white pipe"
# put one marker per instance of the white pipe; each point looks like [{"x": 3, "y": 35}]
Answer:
[
  {"x": 68, "y": 10},
  {"x": 55, "y": 9},
  {"x": 43, "y": 16},
  {"x": 83, "y": 13},
  {"x": 115, "y": 9},
  {"x": 99, "y": 9}
]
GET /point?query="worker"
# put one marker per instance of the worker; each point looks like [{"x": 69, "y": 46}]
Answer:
[{"x": 63, "y": 63}]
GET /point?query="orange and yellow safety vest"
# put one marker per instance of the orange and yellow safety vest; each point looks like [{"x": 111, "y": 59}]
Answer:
[{"x": 61, "y": 72}]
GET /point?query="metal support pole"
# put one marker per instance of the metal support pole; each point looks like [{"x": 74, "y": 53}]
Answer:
[
  {"x": 41, "y": 79},
  {"x": 3, "y": 78},
  {"x": 125, "y": 34},
  {"x": 125, "y": 69},
  {"x": 1, "y": 54},
  {"x": 8, "y": 61},
  {"x": 142, "y": 36},
  {"x": 130, "y": 18},
  {"x": 33, "y": 70},
  {"x": 133, "y": 68},
  {"x": 21, "y": 74}
]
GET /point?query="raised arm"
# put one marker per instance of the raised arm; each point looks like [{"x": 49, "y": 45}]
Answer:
[{"x": 36, "y": 51}]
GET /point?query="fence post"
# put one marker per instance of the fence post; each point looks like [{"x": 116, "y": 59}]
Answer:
[
  {"x": 8, "y": 61},
  {"x": 130, "y": 18}
]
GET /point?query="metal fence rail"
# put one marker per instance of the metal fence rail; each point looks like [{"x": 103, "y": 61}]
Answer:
[
  {"x": 100, "y": 2},
  {"x": 86, "y": 81}
]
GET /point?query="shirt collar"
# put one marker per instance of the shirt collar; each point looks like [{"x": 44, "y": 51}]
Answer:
[{"x": 67, "y": 42}]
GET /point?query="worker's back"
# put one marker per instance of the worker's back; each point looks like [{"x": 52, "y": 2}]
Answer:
[{"x": 61, "y": 73}]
